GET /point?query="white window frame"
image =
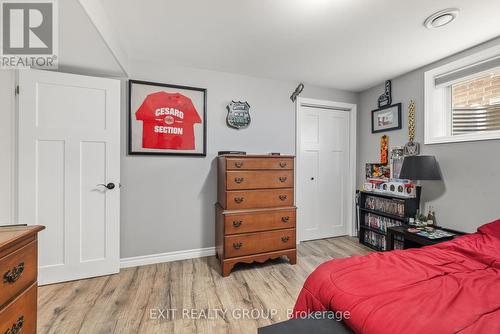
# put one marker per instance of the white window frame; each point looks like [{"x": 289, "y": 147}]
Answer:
[{"x": 437, "y": 110}]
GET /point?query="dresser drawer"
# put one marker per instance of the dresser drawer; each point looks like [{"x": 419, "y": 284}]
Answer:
[
  {"x": 259, "y": 221},
  {"x": 18, "y": 271},
  {"x": 259, "y": 179},
  {"x": 255, "y": 243},
  {"x": 248, "y": 199},
  {"x": 259, "y": 163},
  {"x": 20, "y": 315}
]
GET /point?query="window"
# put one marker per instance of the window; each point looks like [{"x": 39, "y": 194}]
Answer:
[
  {"x": 475, "y": 105},
  {"x": 462, "y": 99}
]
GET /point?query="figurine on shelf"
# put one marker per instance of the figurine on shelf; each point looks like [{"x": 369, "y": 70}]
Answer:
[
  {"x": 420, "y": 219},
  {"x": 384, "y": 150},
  {"x": 431, "y": 217},
  {"x": 412, "y": 147}
]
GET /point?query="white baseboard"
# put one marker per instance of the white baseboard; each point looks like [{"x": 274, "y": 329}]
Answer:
[{"x": 145, "y": 260}]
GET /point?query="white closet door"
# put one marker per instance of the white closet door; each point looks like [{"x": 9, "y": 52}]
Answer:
[{"x": 323, "y": 173}]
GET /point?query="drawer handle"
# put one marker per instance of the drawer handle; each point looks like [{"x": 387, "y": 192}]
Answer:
[
  {"x": 285, "y": 219},
  {"x": 239, "y": 200},
  {"x": 283, "y": 197},
  {"x": 13, "y": 275},
  {"x": 283, "y": 164},
  {"x": 285, "y": 239},
  {"x": 238, "y": 179},
  {"x": 237, "y": 245},
  {"x": 237, "y": 223},
  {"x": 283, "y": 179},
  {"x": 17, "y": 327},
  {"x": 238, "y": 164}
]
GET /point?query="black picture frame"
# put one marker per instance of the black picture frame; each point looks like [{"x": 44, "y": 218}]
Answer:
[
  {"x": 169, "y": 153},
  {"x": 397, "y": 126}
]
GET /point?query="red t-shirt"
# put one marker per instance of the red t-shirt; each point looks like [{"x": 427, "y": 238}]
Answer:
[{"x": 168, "y": 121}]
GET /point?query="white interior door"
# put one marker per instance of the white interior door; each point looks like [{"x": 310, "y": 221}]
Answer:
[
  {"x": 323, "y": 172},
  {"x": 69, "y": 143}
]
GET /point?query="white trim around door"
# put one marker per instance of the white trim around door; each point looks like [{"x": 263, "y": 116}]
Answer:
[{"x": 350, "y": 192}]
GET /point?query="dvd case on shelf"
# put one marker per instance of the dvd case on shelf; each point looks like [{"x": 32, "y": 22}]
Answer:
[
  {"x": 380, "y": 223},
  {"x": 390, "y": 206},
  {"x": 375, "y": 239}
]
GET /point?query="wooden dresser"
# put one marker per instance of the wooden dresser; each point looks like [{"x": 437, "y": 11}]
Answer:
[
  {"x": 255, "y": 213},
  {"x": 18, "y": 281}
]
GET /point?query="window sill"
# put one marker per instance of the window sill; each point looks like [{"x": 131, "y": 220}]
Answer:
[{"x": 463, "y": 138}]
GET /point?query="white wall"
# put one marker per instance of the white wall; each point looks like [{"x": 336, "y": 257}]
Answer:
[
  {"x": 7, "y": 143},
  {"x": 168, "y": 202}
]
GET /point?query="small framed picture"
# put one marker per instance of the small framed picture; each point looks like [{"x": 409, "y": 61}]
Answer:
[
  {"x": 386, "y": 118},
  {"x": 167, "y": 119}
]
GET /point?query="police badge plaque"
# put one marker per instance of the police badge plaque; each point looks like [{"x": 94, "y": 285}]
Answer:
[{"x": 238, "y": 114}]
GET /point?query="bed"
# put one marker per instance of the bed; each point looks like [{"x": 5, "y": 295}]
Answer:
[{"x": 451, "y": 287}]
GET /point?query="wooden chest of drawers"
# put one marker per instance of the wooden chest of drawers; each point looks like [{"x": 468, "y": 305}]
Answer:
[
  {"x": 255, "y": 213},
  {"x": 18, "y": 281}
]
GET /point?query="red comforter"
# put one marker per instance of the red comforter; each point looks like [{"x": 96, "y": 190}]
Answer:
[{"x": 451, "y": 287}]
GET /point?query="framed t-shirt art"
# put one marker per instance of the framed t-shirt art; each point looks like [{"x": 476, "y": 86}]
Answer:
[{"x": 166, "y": 119}]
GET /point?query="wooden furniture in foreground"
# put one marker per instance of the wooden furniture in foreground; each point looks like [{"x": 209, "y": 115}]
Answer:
[
  {"x": 18, "y": 281},
  {"x": 379, "y": 211},
  {"x": 255, "y": 213},
  {"x": 412, "y": 240}
]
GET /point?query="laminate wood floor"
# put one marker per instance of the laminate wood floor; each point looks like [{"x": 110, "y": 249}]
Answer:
[{"x": 186, "y": 296}]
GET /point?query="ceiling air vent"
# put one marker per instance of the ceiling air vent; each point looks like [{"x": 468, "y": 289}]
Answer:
[{"x": 441, "y": 18}]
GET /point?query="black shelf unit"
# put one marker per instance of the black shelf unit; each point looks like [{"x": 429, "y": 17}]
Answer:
[{"x": 384, "y": 209}]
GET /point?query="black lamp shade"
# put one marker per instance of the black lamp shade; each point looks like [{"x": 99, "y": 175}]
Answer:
[{"x": 420, "y": 167}]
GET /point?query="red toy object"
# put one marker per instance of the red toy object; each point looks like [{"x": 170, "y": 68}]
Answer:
[
  {"x": 384, "y": 150},
  {"x": 451, "y": 287},
  {"x": 168, "y": 121}
]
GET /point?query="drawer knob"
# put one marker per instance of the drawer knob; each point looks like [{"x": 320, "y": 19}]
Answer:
[
  {"x": 283, "y": 164},
  {"x": 13, "y": 275},
  {"x": 237, "y": 245},
  {"x": 283, "y": 179},
  {"x": 17, "y": 327},
  {"x": 285, "y": 239},
  {"x": 238, "y": 164},
  {"x": 237, "y": 223},
  {"x": 238, "y": 200},
  {"x": 285, "y": 219},
  {"x": 238, "y": 179},
  {"x": 283, "y": 197}
]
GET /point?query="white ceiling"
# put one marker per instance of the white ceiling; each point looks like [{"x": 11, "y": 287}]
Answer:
[{"x": 346, "y": 44}]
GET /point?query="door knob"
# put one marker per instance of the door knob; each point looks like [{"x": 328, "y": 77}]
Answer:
[{"x": 109, "y": 186}]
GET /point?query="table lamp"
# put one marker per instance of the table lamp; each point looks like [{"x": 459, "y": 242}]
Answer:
[{"x": 419, "y": 168}]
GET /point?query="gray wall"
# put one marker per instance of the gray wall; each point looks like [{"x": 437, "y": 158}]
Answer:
[
  {"x": 7, "y": 146},
  {"x": 168, "y": 202},
  {"x": 469, "y": 194}
]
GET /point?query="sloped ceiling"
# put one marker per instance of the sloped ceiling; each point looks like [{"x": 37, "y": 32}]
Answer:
[{"x": 82, "y": 50}]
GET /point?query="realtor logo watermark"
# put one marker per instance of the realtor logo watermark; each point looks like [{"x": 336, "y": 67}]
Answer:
[{"x": 29, "y": 36}]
